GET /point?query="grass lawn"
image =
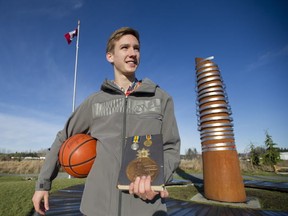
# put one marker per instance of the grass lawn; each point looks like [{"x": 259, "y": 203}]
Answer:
[
  {"x": 269, "y": 200},
  {"x": 16, "y": 194}
]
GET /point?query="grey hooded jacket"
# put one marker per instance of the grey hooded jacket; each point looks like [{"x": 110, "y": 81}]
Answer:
[{"x": 110, "y": 116}]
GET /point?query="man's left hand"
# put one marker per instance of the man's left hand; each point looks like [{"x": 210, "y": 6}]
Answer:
[{"x": 142, "y": 188}]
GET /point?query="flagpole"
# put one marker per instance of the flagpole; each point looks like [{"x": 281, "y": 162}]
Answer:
[
  {"x": 76, "y": 65},
  {"x": 75, "y": 73}
]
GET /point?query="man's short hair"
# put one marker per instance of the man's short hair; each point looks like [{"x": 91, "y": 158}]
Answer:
[{"x": 116, "y": 35}]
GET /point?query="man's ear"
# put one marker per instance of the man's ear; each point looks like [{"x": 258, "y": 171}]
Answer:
[{"x": 109, "y": 57}]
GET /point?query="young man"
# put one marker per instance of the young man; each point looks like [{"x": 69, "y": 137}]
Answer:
[{"x": 124, "y": 107}]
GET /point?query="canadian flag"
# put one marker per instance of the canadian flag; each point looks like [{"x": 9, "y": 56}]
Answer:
[{"x": 70, "y": 35}]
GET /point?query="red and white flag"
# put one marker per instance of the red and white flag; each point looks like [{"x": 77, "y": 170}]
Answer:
[{"x": 70, "y": 35}]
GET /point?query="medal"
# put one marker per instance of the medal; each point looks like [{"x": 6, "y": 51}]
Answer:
[
  {"x": 142, "y": 166},
  {"x": 135, "y": 144},
  {"x": 148, "y": 141}
]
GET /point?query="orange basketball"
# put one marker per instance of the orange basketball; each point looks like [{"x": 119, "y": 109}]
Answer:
[{"x": 77, "y": 155}]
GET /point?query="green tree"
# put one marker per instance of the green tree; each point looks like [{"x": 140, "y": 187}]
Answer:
[
  {"x": 190, "y": 154},
  {"x": 254, "y": 155},
  {"x": 272, "y": 154}
]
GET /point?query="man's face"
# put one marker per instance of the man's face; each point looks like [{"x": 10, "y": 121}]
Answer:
[{"x": 126, "y": 55}]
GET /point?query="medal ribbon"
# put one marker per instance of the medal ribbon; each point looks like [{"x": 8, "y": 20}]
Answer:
[
  {"x": 135, "y": 139},
  {"x": 148, "y": 137}
]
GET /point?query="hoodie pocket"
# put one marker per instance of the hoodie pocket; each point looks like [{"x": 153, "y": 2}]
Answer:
[{"x": 151, "y": 116}]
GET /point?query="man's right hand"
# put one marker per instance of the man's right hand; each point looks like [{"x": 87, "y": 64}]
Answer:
[{"x": 38, "y": 198}]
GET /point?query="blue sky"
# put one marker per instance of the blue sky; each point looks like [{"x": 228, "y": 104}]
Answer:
[{"x": 248, "y": 38}]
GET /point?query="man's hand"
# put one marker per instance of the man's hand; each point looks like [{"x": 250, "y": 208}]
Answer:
[
  {"x": 142, "y": 188},
  {"x": 38, "y": 198}
]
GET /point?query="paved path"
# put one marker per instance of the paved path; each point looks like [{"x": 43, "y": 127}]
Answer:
[{"x": 67, "y": 202}]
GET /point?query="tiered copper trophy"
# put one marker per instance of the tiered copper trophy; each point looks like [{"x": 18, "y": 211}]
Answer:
[{"x": 221, "y": 169}]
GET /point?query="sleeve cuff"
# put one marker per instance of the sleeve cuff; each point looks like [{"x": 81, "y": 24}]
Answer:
[{"x": 43, "y": 186}]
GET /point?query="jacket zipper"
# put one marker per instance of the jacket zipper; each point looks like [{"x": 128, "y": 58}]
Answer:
[
  {"x": 124, "y": 124},
  {"x": 123, "y": 147}
]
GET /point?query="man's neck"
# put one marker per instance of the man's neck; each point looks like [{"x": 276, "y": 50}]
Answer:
[{"x": 124, "y": 81}]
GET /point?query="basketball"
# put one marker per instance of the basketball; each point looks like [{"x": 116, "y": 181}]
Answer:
[{"x": 77, "y": 155}]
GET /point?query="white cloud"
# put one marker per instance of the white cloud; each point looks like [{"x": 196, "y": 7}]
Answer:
[
  {"x": 267, "y": 57},
  {"x": 78, "y": 4},
  {"x": 26, "y": 133}
]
